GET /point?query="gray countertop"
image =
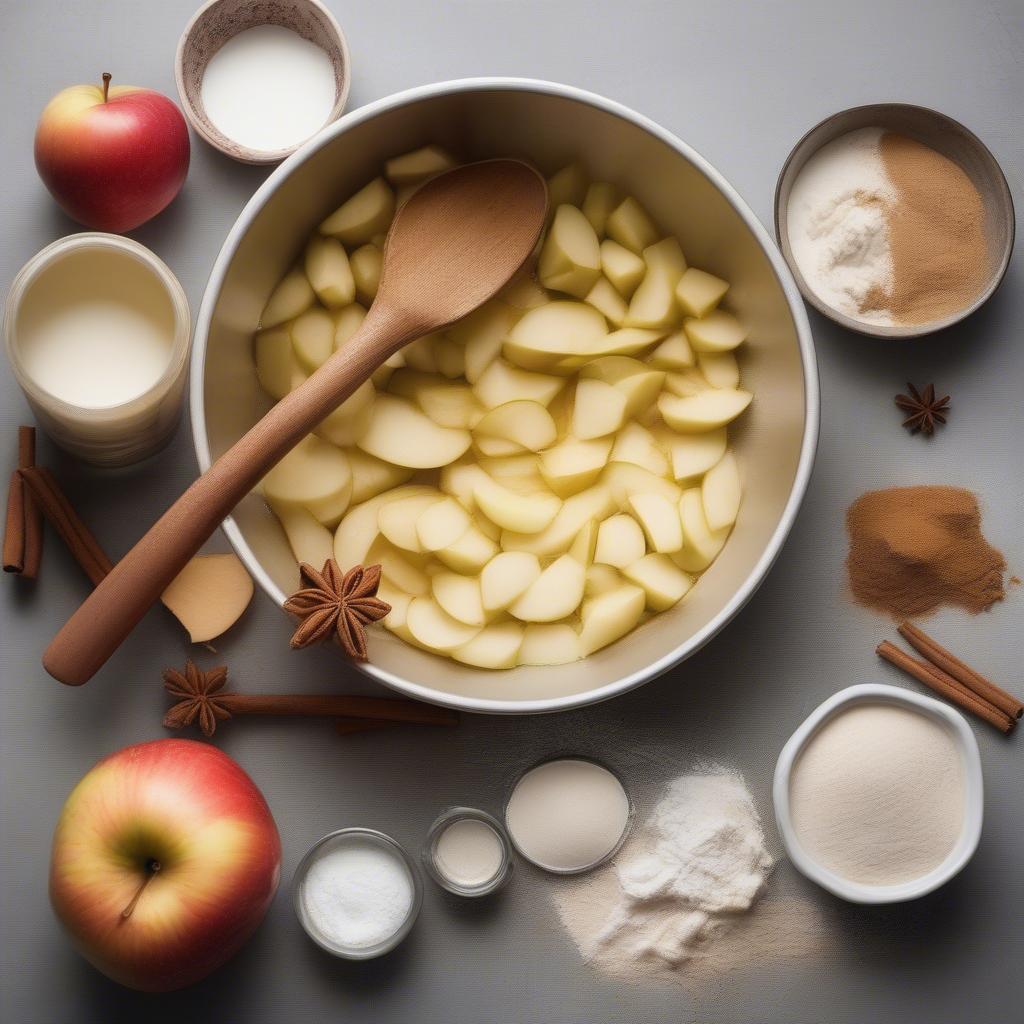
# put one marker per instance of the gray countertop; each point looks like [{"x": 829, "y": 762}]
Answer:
[{"x": 740, "y": 81}]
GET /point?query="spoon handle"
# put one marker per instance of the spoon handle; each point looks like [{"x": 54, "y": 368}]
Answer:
[{"x": 111, "y": 611}]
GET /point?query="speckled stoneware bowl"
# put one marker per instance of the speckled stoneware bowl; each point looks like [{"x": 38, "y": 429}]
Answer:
[
  {"x": 945, "y": 136},
  {"x": 220, "y": 20}
]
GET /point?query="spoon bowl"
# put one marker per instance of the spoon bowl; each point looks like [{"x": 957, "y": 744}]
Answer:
[{"x": 456, "y": 242}]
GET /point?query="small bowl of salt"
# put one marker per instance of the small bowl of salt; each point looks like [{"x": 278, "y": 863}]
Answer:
[
  {"x": 896, "y": 220},
  {"x": 256, "y": 81},
  {"x": 357, "y": 893}
]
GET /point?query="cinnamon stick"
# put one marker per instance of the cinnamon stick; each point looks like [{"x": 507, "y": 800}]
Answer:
[
  {"x": 952, "y": 665},
  {"x": 350, "y": 726},
  {"x": 84, "y": 547},
  {"x": 23, "y": 533},
  {"x": 337, "y": 706},
  {"x": 946, "y": 686}
]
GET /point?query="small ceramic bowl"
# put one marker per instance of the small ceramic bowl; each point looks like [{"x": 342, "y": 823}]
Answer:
[
  {"x": 970, "y": 832},
  {"x": 220, "y": 20},
  {"x": 945, "y": 136},
  {"x": 340, "y": 838},
  {"x": 444, "y": 821}
]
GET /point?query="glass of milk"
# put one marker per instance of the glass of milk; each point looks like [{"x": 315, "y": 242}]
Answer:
[{"x": 97, "y": 331}]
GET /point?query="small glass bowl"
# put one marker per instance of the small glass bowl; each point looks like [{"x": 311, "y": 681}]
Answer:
[
  {"x": 626, "y": 829},
  {"x": 338, "y": 838},
  {"x": 444, "y": 821}
]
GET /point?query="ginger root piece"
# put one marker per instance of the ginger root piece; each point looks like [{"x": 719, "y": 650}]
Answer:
[{"x": 209, "y": 595}]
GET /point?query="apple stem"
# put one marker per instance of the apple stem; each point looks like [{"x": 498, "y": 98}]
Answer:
[
  {"x": 106, "y": 89},
  {"x": 152, "y": 868}
]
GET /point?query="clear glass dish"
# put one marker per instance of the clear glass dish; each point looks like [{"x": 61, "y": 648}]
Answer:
[{"x": 444, "y": 821}]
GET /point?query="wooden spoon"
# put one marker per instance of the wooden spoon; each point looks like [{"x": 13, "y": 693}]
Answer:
[{"x": 452, "y": 246}]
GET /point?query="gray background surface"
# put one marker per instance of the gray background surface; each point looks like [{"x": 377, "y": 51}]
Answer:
[{"x": 740, "y": 81}]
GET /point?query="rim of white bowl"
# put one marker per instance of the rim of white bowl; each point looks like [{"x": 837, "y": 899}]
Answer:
[
  {"x": 783, "y": 275},
  {"x": 974, "y": 795}
]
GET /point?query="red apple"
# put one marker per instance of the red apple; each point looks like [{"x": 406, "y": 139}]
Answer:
[
  {"x": 112, "y": 158},
  {"x": 165, "y": 860}
]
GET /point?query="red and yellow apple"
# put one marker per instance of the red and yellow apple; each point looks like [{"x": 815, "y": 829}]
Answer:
[
  {"x": 165, "y": 860},
  {"x": 112, "y": 157}
]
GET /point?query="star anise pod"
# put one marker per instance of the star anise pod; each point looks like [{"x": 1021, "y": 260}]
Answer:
[
  {"x": 196, "y": 689},
  {"x": 924, "y": 409},
  {"x": 337, "y": 605}
]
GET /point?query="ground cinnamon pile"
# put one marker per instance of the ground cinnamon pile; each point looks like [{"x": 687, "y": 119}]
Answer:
[
  {"x": 913, "y": 549},
  {"x": 936, "y": 233}
]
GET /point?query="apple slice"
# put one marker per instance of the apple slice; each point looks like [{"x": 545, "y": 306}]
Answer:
[
  {"x": 569, "y": 185},
  {"x": 720, "y": 369},
  {"x": 459, "y": 596},
  {"x": 524, "y": 293},
  {"x": 600, "y": 579},
  {"x": 371, "y": 476},
  {"x": 400, "y": 434},
  {"x": 292, "y": 296},
  {"x": 359, "y": 529},
  {"x": 654, "y": 302},
  {"x": 441, "y": 524},
  {"x": 399, "y": 568},
  {"x": 601, "y": 199},
  {"x": 623, "y": 268},
  {"x": 629, "y": 225},
  {"x": 699, "y": 292},
  {"x": 430, "y": 625},
  {"x": 620, "y": 541},
  {"x": 659, "y": 518},
  {"x": 275, "y": 361},
  {"x": 419, "y": 355},
  {"x": 328, "y": 271},
  {"x": 599, "y": 409},
  {"x": 366, "y": 263},
  {"x": 705, "y": 411},
  {"x": 449, "y": 405},
  {"x": 314, "y": 474},
  {"x": 459, "y": 479},
  {"x": 449, "y": 356},
  {"x": 721, "y": 493},
  {"x": 346, "y": 322},
  {"x": 594, "y": 503},
  {"x": 702, "y": 544},
  {"x": 415, "y": 167},
  {"x": 527, "y": 424},
  {"x": 494, "y": 647},
  {"x": 549, "y": 643},
  {"x": 554, "y": 594},
  {"x": 549, "y": 332},
  {"x": 694, "y": 454},
  {"x": 664, "y": 583},
  {"x": 482, "y": 334},
  {"x": 506, "y": 577},
  {"x": 636, "y": 444},
  {"x": 604, "y": 298},
  {"x": 313, "y": 338},
  {"x": 308, "y": 538},
  {"x": 395, "y": 619},
  {"x": 502, "y": 383},
  {"x": 570, "y": 259},
  {"x": 366, "y": 214},
  {"x": 517, "y": 512},
  {"x": 717, "y": 332},
  {"x": 470, "y": 553},
  {"x": 513, "y": 469},
  {"x": 584, "y": 546},
  {"x": 351, "y": 419},
  {"x": 397, "y": 519},
  {"x": 674, "y": 353},
  {"x": 497, "y": 447},
  {"x": 573, "y": 465},
  {"x": 609, "y": 616},
  {"x": 686, "y": 383},
  {"x": 624, "y": 479}
]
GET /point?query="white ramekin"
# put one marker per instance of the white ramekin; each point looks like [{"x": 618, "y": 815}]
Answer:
[{"x": 970, "y": 832}]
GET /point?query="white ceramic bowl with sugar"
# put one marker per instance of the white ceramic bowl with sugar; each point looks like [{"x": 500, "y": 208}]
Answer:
[
  {"x": 970, "y": 831},
  {"x": 551, "y": 125}
]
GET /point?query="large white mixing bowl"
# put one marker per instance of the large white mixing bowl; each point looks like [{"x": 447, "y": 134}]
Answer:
[{"x": 550, "y": 125}]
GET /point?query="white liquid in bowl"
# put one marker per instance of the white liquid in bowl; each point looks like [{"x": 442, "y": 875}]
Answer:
[{"x": 96, "y": 328}]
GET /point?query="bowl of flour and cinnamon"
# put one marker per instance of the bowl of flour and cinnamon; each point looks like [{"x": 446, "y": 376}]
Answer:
[{"x": 895, "y": 220}]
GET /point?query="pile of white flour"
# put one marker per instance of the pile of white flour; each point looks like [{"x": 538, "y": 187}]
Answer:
[{"x": 697, "y": 863}]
